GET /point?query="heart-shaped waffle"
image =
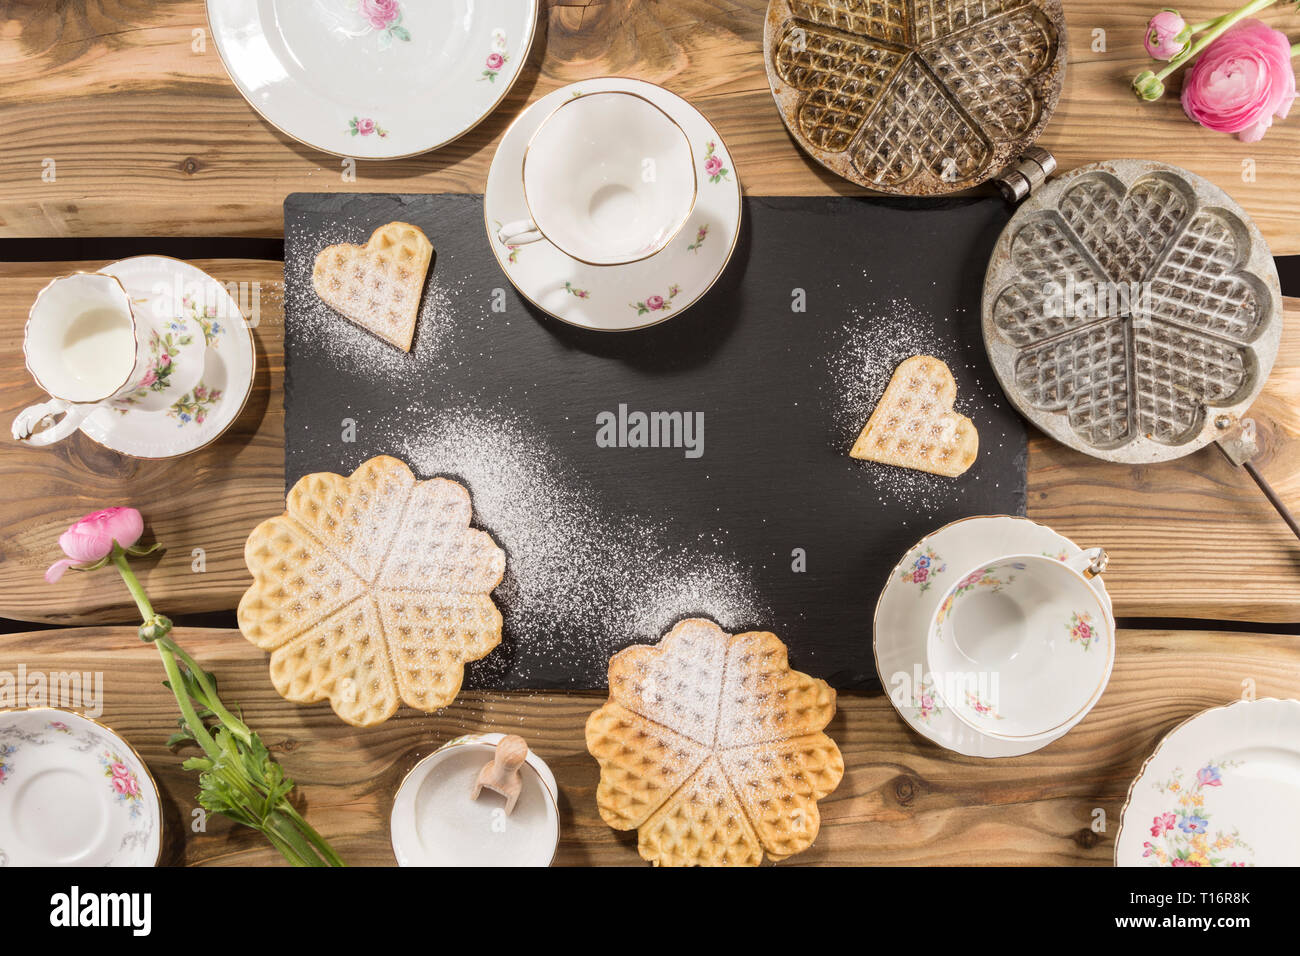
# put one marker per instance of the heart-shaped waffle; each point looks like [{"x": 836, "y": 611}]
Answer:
[
  {"x": 1126, "y": 301},
  {"x": 712, "y": 748},
  {"x": 378, "y": 285},
  {"x": 914, "y": 425},
  {"x": 370, "y": 589},
  {"x": 917, "y": 97}
]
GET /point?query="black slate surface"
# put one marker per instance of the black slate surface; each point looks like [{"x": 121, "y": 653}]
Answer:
[{"x": 783, "y": 394}]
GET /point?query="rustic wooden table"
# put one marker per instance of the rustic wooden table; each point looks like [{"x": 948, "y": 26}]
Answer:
[{"x": 148, "y": 138}]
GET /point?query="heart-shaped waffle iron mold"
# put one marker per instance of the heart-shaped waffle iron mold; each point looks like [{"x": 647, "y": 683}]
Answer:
[
  {"x": 1132, "y": 311},
  {"x": 915, "y": 97}
]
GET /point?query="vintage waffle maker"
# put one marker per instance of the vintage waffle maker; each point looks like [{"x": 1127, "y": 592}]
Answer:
[
  {"x": 915, "y": 97},
  {"x": 1132, "y": 311}
]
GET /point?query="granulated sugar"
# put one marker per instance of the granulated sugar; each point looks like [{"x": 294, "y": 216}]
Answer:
[
  {"x": 342, "y": 342},
  {"x": 582, "y": 579},
  {"x": 861, "y": 357}
]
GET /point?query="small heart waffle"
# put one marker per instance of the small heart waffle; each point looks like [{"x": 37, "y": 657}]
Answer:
[
  {"x": 378, "y": 285},
  {"x": 712, "y": 748},
  {"x": 914, "y": 425},
  {"x": 370, "y": 589}
]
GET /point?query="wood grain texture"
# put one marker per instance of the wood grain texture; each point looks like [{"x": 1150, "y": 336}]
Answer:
[
  {"x": 903, "y": 800},
  {"x": 150, "y": 137},
  {"x": 1190, "y": 539}
]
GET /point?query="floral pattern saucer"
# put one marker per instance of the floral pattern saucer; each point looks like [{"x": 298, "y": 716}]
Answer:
[
  {"x": 909, "y": 600},
  {"x": 196, "y": 305},
  {"x": 73, "y": 793},
  {"x": 637, "y": 294},
  {"x": 1220, "y": 790},
  {"x": 374, "y": 79}
]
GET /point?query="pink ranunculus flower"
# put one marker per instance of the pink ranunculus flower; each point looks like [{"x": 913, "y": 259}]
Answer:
[
  {"x": 654, "y": 303},
  {"x": 495, "y": 61},
  {"x": 1241, "y": 81},
  {"x": 1167, "y": 35},
  {"x": 91, "y": 538},
  {"x": 380, "y": 13},
  {"x": 365, "y": 126}
]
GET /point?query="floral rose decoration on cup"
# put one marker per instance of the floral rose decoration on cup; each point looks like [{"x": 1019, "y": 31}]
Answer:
[
  {"x": 1241, "y": 81},
  {"x": 1167, "y": 35},
  {"x": 380, "y": 13},
  {"x": 89, "y": 542}
]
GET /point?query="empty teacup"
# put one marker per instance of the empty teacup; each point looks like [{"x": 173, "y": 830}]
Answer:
[
  {"x": 609, "y": 178},
  {"x": 1022, "y": 644},
  {"x": 87, "y": 347}
]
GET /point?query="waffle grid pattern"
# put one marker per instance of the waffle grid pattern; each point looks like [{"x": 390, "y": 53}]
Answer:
[
  {"x": 372, "y": 589},
  {"x": 1181, "y": 337},
  {"x": 712, "y": 747},
  {"x": 916, "y": 93}
]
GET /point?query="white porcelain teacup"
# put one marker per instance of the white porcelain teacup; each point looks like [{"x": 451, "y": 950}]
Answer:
[
  {"x": 87, "y": 347},
  {"x": 1022, "y": 644},
  {"x": 609, "y": 178}
]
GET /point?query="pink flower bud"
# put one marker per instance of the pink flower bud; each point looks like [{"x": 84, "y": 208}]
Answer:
[
  {"x": 91, "y": 538},
  {"x": 1167, "y": 35}
]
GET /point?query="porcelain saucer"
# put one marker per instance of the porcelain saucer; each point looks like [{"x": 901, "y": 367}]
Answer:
[
  {"x": 637, "y": 294},
  {"x": 373, "y": 79},
  {"x": 1220, "y": 790},
  {"x": 73, "y": 793},
  {"x": 435, "y": 821},
  {"x": 908, "y": 603},
  {"x": 197, "y": 418}
]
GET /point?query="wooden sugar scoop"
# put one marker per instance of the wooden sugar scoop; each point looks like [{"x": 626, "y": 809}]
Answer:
[{"x": 502, "y": 774}]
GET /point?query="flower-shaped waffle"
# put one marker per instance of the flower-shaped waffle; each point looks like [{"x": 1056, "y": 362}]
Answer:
[
  {"x": 712, "y": 747},
  {"x": 1125, "y": 300},
  {"x": 370, "y": 589},
  {"x": 917, "y": 97}
]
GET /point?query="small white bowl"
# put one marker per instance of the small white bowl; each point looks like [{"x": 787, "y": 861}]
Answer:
[{"x": 435, "y": 822}]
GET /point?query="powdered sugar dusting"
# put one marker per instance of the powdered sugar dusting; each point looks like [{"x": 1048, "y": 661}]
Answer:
[
  {"x": 318, "y": 327},
  {"x": 582, "y": 579},
  {"x": 862, "y": 355}
]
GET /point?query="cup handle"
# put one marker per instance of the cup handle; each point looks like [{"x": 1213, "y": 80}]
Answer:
[
  {"x": 518, "y": 233},
  {"x": 29, "y": 419},
  {"x": 1091, "y": 563}
]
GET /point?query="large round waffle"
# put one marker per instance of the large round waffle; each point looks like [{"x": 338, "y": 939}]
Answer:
[
  {"x": 915, "y": 97},
  {"x": 1132, "y": 311}
]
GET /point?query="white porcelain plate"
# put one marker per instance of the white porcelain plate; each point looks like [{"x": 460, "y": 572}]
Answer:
[
  {"x": 171, "y": 287},
  {"x": 908, "y": 602},
  {"x": 638, "y": 294},
  {"x": 435, "y": 821},
  {"x": 73, "y": 793},
  {"x": 1222, "y": 789},
  {"x": 373, "y": 79}
]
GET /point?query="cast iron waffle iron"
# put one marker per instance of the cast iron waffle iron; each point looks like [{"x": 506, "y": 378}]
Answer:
[
  {"x": 1132, "y": 311},
  {"x": 915, "y": 97}
]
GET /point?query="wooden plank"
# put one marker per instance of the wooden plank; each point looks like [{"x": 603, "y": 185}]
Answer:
[
  {"x": 903, "y": 800},
  {"x": 149, "y": 136},
  {"x": 1191, "y": 538}
]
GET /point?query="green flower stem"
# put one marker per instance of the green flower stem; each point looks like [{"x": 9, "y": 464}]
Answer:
[
  {"x": 192, "y": 719},
  {"x": 210, "y": 698},
  {"x": 1214, "y": 29},
  {"x": 316, "y": 840}
]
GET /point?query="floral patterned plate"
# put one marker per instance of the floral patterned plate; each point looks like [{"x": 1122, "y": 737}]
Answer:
[
  {"x": 909, "y": 600},
  {"x": 201, "y": 306},
  {"x": 73, "y": 793},
  {"x": 637, "y": 294},
  {"x": 373, "y": 79},
  {"x": 1221, "y": 790}
]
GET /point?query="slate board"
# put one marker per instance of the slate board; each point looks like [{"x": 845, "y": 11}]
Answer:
[{"x": 773, "y": 385}]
